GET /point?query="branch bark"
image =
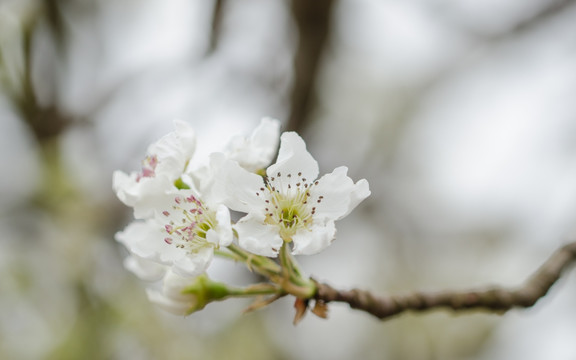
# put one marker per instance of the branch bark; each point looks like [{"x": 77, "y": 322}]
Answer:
[
  {"x": 496, "y": 299},
  {"x": 313, "y": 20}
]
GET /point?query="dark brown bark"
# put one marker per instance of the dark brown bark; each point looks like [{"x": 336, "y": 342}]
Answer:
[
  {"x": 496, "y": 299},
  {"x": 313, "y": 20}
]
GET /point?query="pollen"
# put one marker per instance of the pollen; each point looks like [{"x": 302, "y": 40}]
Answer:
[
  {"x": 188, "y": 225},
  {"x": 290, "y": 210}
]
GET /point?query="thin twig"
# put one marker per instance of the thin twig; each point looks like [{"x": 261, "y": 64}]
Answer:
[{"x": 495, "y": 299}]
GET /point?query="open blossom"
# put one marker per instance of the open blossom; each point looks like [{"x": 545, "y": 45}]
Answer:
[
  {"x": 181, "y": 237},
  {"x": 164, "y": 164},
  {"x": 290, "y": 204}
]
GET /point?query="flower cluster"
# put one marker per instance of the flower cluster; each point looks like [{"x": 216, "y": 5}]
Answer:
[{"x": 182, "y": 214}]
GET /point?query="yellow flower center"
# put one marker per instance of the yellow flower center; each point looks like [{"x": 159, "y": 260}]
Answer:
[{"x": 288, "y": 206}]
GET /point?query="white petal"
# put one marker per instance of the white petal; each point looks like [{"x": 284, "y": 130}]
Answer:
[
  {"x": 360, "y": 192},
  {"x": 222, "y": 235},
  {"x": 339, "y": 194},
  {"x": 146, "y": 270},
  {"x": 146, "y": 240},
  {"x": 193, "y": 264},
  {"x": 174, "y": 150},
  {"x": 122, "y": 183},
  {"x": 237, "y": 187},
  {"x": 176, "y": 307},
  {"x": 257, "y": 151},
  {"x": 257, "y": 237},
  {"x": 293, "y": 158},
  {"x": 186, "y": 137},
  {"x": 312, "y": 241},
  {"x": 145, "y": 195},
  {"x": 173, "y": 285}
]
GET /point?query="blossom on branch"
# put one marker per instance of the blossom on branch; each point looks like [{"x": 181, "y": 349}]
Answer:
[
  {"x": 182, "y": 237},
  {"x": 181, "y": 206},
  {"x": 162, "y": 168},
  {"x": 288, "y": 205}
]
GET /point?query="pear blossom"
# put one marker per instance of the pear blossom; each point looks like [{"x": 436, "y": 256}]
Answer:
[
  {"x": 181, "y": 237},
  {"x": 289, "y": 204},
  {"x": 163, "y": 167},
  {"x": 171, "y": 296}
]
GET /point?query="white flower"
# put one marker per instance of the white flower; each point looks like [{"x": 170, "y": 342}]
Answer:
[
  {"x": 182, "y": 237},
  {"x": 172, "y": 297},
  {"x": 256, "y": 152},
  {"x": 253, "y": 153},
  {"x": 289, "y": 204},
  {"x": 165, "y": 163}
]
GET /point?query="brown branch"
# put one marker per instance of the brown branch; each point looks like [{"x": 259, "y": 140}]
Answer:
[{"x": 496, "y": 299}]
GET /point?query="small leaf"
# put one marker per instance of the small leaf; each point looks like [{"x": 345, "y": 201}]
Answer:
[
  {"x": 301, "y": 305},
  {"x": 320, "y": 309},
  {"x": 260, "y": 302}
]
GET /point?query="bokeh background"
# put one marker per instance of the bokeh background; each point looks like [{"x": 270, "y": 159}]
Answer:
[{"x": 460, "y": 113}]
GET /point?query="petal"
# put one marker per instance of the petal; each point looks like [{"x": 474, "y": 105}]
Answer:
[
  {"x": 360, "y": 192},
  {"x": 257, "y": 151},
  {"x": 146, "y": 270},
  {"x": 174, "y": 150},
  {"x": 312, "y": 241},
  {"x": 173, "y": 285},
  {"x": 266, "y": 136},
  {"x": 258, "y": 237},
  {"x": 336, "y": 195},
  {"x": 186, "y": 137},
  {"x": 222, "y": 235},
  {"x": 122, "y": 183},
  {"x": 294, "y": 159},
  {"x": 145, "y": 195},
  {"x": 193, "y": 264},
  {"x": 234, "y": 186},
  {"x": 146, "y": 240},
  {"x": 175, "y": 307}
]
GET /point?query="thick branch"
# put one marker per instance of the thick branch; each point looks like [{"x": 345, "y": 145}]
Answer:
[
  {"x": 493, "y": 299},
  {"x": 313, "y": 20}
]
